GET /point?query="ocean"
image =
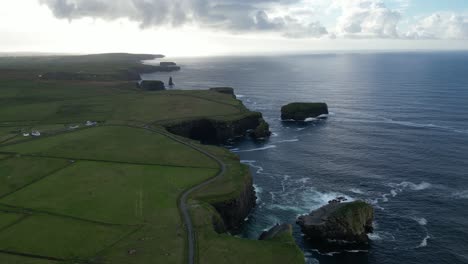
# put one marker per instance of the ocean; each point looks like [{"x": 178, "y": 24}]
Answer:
[{"x": 397, "y": 137}]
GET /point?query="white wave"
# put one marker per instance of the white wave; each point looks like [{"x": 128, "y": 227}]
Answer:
[
  {"x": 240, "y": 95},
  {"x": 300, "y": 128},
  {"x": 374, "y": 236},
  {"x": 381, "y": 236},
  {"x": 303, "y": 180},
  {"x": 356, "y": 190},
  {"x": 258, "y": 191},
  {"x": 274, "y": 134},
  {"x": 256, "y": 149},
  {"x": 367, "y": 118},
  {"x": 461, "y": 194},
  {"x": 283, "y": 182},
  {"x": 385, "y": 197},
  {"x": 313, "y": 199},
  {"x": 251, "y": 163},
  {"x": 415, "y": 187},
  {"x": 421, "y": 221},
  {"x": 291, "y": 208},
  {"x": 310, "y": 119},
  {"x": 323, "y": 116},
  {"x": 288, "y": 140},
  {"x": 394, "y": 193},
  {"x": 424, "y": 242}
]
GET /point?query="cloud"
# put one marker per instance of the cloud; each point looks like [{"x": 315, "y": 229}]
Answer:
[
  {"x": 366, "y": 19},
  {"x": 236, "y": 16},
  {"x": 440, "y": 26}
]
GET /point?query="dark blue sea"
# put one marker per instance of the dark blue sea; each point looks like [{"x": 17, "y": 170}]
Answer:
[{"x": 397, "y": 137}]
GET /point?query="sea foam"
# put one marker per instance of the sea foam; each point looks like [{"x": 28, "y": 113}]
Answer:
[{"x": 256, "y": 149}]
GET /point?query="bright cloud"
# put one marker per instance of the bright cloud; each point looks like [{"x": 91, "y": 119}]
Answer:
[
  {"x": 440, "y": 26},
  {"x": 231, "y": 26}
]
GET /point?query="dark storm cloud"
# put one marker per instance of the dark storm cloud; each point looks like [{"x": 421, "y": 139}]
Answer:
[{"x": 230, "y": 15}]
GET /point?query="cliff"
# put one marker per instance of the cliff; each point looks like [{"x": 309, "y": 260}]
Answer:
[
  {"x": 302, "y": 111},
  {"x": 224, "y": 90},
  {"x": 233, "y": 211},
  {"x": 151, "y": 85},
  {"x": 339, "y": 223},
  {"x": 215, "y": 131}
]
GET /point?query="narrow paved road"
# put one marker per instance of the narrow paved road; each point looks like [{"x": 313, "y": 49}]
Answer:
[{"x": 184, "y": 208}]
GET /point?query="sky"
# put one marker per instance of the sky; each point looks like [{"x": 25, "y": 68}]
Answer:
[{"x": 231, "y": 27}]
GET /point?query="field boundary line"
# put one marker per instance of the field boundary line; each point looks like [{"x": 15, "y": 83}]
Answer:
[
  {"x": 30, "y": 255},
  {"x": 21, "y": 219},
  {"x": 35, "y": 211},
  {"x": 35, "y": 181},
  {"x": 103, "y": 161}
]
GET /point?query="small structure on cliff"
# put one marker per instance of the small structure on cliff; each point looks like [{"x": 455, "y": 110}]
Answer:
[
  {"x": 338, "y": 224},
  {"x": 303, "y": 111}
]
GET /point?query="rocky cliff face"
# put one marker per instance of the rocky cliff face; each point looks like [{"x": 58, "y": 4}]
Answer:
[
  {"x": 216, "y": 131},
  {"x": 151, "y": 85},
  {"x": 234, "y": 211},
  {"x": 224, "y": 90},
  {"x": 339, "y": 223}
]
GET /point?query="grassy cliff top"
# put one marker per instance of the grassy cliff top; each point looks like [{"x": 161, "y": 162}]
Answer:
[
  {"x": 108, "y": 192},
  {"x": 118, "y": 66}
]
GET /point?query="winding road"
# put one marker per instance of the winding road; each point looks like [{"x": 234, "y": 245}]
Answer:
[{"x": 183, "y": 206}]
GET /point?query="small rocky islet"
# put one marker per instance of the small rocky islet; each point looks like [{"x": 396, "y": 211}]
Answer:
[
  {"x": 303, "y": 111},
  {"x": 339, "y": 223}
]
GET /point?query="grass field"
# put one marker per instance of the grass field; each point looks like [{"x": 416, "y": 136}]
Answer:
[{"x": 109, "y": 194}]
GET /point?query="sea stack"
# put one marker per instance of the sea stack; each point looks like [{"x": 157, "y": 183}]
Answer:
[
  {"x": 302, "y": 111},
  {"x": 339, "y": 224}
]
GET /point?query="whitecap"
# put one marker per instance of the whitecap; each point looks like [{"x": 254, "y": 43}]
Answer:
[
  {"x": 251, "y": 164},
  {"x": 461, "y": 194},
  {"x": 288, "y": 140},
  {"x": 421, "y": 221},
  {"x": 374, "y": 236},
  {"x": 310, "y": 119},
  {"x": 258, "y": 191},
  {"x": 240, "y": 95},
  {"x": 291, "y": 208},
  {"x": 256, "y": 149},
  {"x": 303, "y": 180},
  {"x": 300, "y": 128},
  {"x": 313, "y": 199},
  {"x": 416, "y": 187},
  {"x": 385, "y": 197},
  {"x": 356, "y": 190},
  {"x": 424, "y": 242},
  {"x": 357, "y": 251}
]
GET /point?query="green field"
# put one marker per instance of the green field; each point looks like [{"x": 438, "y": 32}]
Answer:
[{"x": 109, "y": 193}]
